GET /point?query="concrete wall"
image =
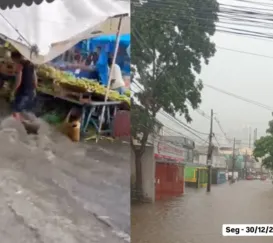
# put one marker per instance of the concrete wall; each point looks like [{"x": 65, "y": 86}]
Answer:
[
  {"x": 148, "y": 173},
  {"x": 202, "y": 159},
  {"x": 218, "y": 161}
]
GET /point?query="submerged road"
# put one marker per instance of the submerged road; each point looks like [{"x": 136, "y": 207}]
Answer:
[
  {"x": 197, "y": 217},
  {"x": 52, "y": 190}
]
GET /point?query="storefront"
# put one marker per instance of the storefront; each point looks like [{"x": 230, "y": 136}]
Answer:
[
  {"x": 218, "y": 176},
  {"x": 196, "y": 177},
  {"x": 169, "y": 170}
]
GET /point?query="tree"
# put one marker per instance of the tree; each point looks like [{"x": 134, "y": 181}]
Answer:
[
  {"x": 170, "y": 39},
  {"x": 264, "y": 148}
]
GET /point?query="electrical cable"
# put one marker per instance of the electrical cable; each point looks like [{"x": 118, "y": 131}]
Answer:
[
  {"x": 169, "y": 117},
  {"x": 240, "y": 97},
  {"x": 174, "y": 118},
  {"x": 244, "y": 53},
  {"x": 229, "y": 12},
  {"x": 196, "y": 130}
]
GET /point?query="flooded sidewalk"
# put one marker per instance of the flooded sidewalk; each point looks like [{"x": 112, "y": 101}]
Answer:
[
  {"x": 198, "y": 216},
  {"x": 53, "y": 190}
]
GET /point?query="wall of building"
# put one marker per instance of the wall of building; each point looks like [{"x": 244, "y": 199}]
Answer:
[
  {"x": 201, "y": 159},
  {"x": 217, "y": 160},
  {"x": 148, "y": 173},
  {"x": 182, "y": 143}
]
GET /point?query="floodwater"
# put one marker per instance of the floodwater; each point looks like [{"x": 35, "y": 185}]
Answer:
[
  {"x": 197, "y": 217},
  {"x": 52, "y": 190}
]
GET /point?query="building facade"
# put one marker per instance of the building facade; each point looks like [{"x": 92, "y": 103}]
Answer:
[
  {"x": 218, "y": 159},
  {"x": 170, "y": 154}
]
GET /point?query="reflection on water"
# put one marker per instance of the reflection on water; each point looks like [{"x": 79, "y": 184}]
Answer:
[{"x": 197, "y": 217}]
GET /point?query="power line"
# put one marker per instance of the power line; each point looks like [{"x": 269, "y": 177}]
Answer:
[
  {"x": 169, "y": 117},
  {"x": 182, "y": 125},
  {"x": 202, "y": 113},
  {"x": 186, "y": 127},
  {"x": 215, "y": 138},
  {"x": 223, "y": 8},
  {"x": 235, "y": 50},
  {"x": 176, "y": 120},
  {"x": 219, "y": 29},
  {"x": 245, "y": 53},
  {"x": 228, "y": 12},
  {"x": 228, "y": 139},
  {"x": 222, "y": 130},
  {"x": 179, "y": 122},
  {"x": 239, "y": 97}
]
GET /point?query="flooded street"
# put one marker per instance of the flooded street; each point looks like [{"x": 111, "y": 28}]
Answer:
[
  {"x": 52, "y": 190},
  {"x": 197, "y": 217}
]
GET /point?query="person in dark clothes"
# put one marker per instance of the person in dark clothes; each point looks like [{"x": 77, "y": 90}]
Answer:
[{"x": 25, "y": 86}]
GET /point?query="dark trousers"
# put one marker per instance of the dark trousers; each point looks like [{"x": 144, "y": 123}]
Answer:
[{"x": 23, "y": 102}]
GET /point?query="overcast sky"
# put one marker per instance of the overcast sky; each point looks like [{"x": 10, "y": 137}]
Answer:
[{"x": 245, "y": 75}]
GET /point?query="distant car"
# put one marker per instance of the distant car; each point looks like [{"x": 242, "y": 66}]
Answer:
[
  {"x": 249, "y": 177},
  {"x": 263, "y": 178},
  {"x": 258, "y": 177}
]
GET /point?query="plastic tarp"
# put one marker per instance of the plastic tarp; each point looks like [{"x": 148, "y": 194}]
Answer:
[
  {"x": 53, "y": 28},
  {"x": 129, "y": 51},
  {"x": 124, "y": 39},
  {"x": 108, "y": 41},
  {"x": 18, "y": 3}
]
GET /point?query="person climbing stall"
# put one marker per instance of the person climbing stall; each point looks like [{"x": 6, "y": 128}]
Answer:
[{"x": 24, "y": 92}]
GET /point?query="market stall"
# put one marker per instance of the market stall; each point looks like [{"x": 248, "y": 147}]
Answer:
[
  {"x": 43, "y": 32},
  {"x": 30, "y": 40},
  {"x": 81, "y": 60},
  {"x": 86, "y": 94}
]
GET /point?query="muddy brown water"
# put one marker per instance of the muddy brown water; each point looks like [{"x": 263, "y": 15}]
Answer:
[{"x": 197, "y": 217}]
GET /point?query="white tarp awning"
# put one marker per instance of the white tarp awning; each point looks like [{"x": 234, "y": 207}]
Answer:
[
  {"x": 58, "y": 26},
  {"x": 4, "y": 4}
]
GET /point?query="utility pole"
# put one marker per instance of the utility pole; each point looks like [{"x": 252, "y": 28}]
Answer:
[
  {"x": 255, "y": 137},
  {"x": 210, "y": 150},
  {"x": 245, "y": 173},
  {"x": 249, "y": 140},
  {"x": 233, "y": 161}
]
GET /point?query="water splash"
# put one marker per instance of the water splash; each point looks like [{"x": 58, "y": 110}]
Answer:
[{"x": 59, "y": 168}]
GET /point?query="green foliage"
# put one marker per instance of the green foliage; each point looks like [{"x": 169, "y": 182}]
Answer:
[
  {"x": 169, "y": 41},
  {"x": 144, "y": 124},
  {"x": 264, "y": 148}
]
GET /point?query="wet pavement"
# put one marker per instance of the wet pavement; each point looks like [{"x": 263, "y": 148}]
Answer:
[
  {"x": 52, "y": 190},
  {"x": 197, "y": 217}
]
